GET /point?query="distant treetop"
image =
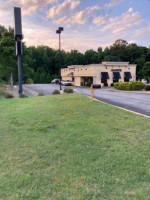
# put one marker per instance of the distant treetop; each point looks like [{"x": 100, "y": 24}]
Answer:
[{"x": 121, "y": 42}]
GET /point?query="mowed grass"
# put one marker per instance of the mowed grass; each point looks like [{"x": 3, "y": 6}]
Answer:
[{"x": 66, "y": 147}]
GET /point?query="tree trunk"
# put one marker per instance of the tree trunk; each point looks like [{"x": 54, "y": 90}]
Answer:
[{"x": 11, "y": 82}]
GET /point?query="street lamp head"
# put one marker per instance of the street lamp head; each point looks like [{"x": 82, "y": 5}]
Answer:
[
  {"x": 18, "y": 23},
  {"x": 61, "y": 29},
  {"x": 58, "y": 31}
]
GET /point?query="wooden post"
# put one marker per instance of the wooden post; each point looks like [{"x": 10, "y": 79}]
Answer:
[{"x": 92, "y": 92}]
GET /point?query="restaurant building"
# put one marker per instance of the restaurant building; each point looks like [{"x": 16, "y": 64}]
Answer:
[{"x": 105, "y": 73}]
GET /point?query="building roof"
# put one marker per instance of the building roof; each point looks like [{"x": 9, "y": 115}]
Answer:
[
  {"x": 115, "y": 63},
  {"x": 73, "y": 66},
  {"x": 101, "y": 64}
]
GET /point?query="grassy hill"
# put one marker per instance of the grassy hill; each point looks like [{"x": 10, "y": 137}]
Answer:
[{"x": 67, "y": 147}]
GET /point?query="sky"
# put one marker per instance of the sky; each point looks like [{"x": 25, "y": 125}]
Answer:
[{"x": 88, "y": 24}]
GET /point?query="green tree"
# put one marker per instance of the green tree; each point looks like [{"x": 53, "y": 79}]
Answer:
[
  {"x": 8, "y": 63},
  {"x": 91, "y": 57},
  {"x": 146, "y": 71}
]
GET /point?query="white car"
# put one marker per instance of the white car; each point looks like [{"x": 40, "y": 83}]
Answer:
[
  {"x": 66, "y": 83},
  {"x": 144, "y": 81}
]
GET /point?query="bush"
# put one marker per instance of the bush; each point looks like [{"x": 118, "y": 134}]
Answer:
[
  {"x": 56, "y": 92},
  {"x": 129, "y": 86},
  {"x": 23, "y": 96},
  {"x": 2, "y": 91},
  {"x": 88, "y": 84},
  {"x": 105, "y": 84},
  {"x": 112, "y": 84},
  {"x": 147, "y": 87},
  {"x": 68, "y": 90},
  {"x": 9, "y": 95},
  {"x": 41, "y": 93},
  {"x": 29, "y": 81}
]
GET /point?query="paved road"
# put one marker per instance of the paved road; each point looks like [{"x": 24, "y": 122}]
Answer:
[{"x": 130, "y": 100}]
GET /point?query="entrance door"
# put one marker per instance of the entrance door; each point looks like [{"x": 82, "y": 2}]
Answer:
[
  {"x": 116, "y": 77},
  {"x": 87, "y": 81}
]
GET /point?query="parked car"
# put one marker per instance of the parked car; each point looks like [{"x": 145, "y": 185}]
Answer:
[
  {"x": 55, "y": 81},
  {"x": 66, "y": 83},
  {"x": 144, "y": 81}
]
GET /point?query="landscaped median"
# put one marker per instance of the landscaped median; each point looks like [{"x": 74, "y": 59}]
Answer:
[
  {"x": 130, "y": 86},
  {"x": 68, "y": 147}
]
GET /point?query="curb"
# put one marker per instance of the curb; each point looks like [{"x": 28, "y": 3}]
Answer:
[
  {"x": 137, "y": 113},
  {"x": 138, "y": 92}
]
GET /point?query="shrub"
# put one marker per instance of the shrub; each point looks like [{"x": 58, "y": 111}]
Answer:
[
  {"x": 147, "y": 87},
  {"x": 68, "y": 90},
  {"x": 23, "y": 96},
  {"x": 41, "y": 93},
  {"x": 29, "y": 81},
  {"x": 129, "y": 86},
  {"x": 137, "y": 85},
  {"x": 88, "y": 84},
  {"x": 9, "y": 95},
  {"x": 112, "y": 84},
  {"x": 105, "y": 84},
  {"x": 2, "y": 91},
  {"x": 56, "y": 92}
]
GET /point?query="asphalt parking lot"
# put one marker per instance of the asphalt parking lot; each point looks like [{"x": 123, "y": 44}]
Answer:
[{"x": 138, "y": 102}]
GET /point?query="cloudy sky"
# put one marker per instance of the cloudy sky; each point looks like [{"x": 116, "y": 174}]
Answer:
[{"x": 88, "y": 24}]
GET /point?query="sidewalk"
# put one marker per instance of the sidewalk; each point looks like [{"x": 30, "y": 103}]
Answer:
[{"x": 27, "y": 91}]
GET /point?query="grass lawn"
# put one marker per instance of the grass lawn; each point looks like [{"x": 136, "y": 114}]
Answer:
[{"x": 65, "y": 147}]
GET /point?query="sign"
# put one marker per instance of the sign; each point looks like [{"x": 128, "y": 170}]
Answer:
[
  {"x": 116, "y": 70},
  {"x": 18, "y": 23},
  {"x": 18, "y": 48}
]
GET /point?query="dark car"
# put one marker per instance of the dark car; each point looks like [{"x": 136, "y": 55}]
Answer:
[{"x": 55, "y": 81}]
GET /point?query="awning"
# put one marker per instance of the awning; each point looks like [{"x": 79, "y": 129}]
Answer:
[
  {"x": 116, "y": 75},
  {"x": 104, "y": 75},
  {"x": 127, "y": 75},
  {"x": 71, "y": 74}
]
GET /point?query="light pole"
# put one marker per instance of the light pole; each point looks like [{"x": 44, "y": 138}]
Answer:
[
  {"x": 18, "y": 38},
  {"x": 60, "y": 29}
]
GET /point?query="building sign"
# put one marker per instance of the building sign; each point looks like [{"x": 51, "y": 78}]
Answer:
[{"x": 116, "y": 70}]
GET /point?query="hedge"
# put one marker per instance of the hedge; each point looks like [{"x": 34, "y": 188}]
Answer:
[
  {"x": 68, "y": 90},
  {"x": 129, "y": 86}
]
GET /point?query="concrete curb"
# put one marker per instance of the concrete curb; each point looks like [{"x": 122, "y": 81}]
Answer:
[
  {"x": 138, "y": 92},
  {"x": 137, "y": 113}
]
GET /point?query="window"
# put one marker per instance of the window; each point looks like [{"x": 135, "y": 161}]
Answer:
[
  {"x": 104, "y": 77},
  {"x": 127, "y": 76}
]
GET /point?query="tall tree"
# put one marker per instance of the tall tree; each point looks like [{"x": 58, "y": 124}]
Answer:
[
  {"x": 146, "y": 71},
  {"x": 8, "y": 65}
]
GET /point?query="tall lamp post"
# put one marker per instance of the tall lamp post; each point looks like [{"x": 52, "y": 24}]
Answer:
[
  {"x": 60, "y": 29},
  {"x": 18, "y": 38}
]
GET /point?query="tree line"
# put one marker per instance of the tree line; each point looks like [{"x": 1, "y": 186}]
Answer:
[{"x": 41, "y": 63}]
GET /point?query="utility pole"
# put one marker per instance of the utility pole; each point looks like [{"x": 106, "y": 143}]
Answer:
[
  {"x": 18, "y": 38},
  {"x": 60, "y": 29}
]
